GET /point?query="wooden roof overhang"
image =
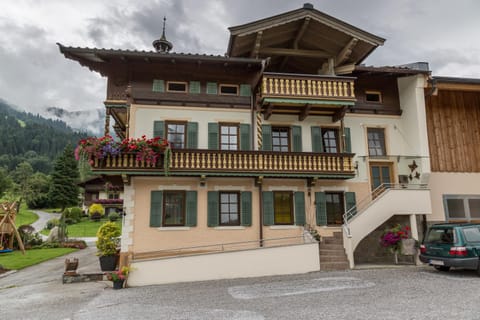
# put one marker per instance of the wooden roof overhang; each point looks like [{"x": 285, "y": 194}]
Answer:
[
  {"x": 302, "y": 41},
  {"x": 454, "y": 84}
]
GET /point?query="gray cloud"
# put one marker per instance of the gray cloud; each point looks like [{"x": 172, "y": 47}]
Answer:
[{"x": 34, "y": 75}]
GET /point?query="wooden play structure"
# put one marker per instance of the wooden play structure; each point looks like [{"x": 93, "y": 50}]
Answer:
[{"x": 8, "y": 230}]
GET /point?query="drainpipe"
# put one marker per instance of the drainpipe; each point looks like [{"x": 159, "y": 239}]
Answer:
[
  {"x": 434, "y": 89},
  {"x": 260, "y": 198}
]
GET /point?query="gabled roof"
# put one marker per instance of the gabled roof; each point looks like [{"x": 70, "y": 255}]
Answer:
[{"x": 302, "y": 40}]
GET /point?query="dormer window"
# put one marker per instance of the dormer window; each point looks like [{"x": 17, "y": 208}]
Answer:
[
  {"x": 176, "y": 86},
  {"x": 373, "y": 96},
  {"x": 229, "y": 89}
]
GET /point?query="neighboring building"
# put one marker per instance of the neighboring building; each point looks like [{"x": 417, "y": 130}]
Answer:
[
  {"x": 453, "y": 117},
  {"x": 106, "y": 191},
  {"x": 283, "y": 136}
]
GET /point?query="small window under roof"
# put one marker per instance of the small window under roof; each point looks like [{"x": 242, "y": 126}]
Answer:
[
  {"x": 229, "y": 89},
  {"x": 373, "y": 96},
  {"x": 176, "y": 86}
]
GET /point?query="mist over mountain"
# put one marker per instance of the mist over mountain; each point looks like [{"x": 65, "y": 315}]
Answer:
[{"x": 86, "y": 120}]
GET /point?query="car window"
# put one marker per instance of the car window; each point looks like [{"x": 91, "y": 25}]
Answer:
[
  {"x": 440, "y": 236},
  {"x": 472, "y": 234}
]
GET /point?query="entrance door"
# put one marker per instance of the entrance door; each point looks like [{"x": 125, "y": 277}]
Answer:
[{"x": 380, "y": 173}]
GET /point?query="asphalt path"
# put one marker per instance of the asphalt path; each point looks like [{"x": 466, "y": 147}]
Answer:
[{"x": 391, "y": 293}]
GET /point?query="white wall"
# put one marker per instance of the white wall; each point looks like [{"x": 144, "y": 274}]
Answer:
[{"x": 228, "y": 265}]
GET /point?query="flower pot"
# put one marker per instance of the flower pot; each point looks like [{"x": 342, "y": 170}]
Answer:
[
  {"x": 108, "y": 263},
  {"x": 118, "y": 284}
]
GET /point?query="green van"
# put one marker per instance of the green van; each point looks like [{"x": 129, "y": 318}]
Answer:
[{"x": 452, "y": 245}]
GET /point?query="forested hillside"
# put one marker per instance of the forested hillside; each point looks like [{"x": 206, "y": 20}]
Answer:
[{"x": 32, "y": 138}]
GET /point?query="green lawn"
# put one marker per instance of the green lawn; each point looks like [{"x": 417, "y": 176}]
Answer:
[
  {"x": 25, "y": 216},
  {"x": 85, "y": 228},
  {"x": 16, "y": 260}
]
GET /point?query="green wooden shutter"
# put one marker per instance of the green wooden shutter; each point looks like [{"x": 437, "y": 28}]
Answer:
[
  {"x": 212, "y": 88},
  {"x": 158, "y": 86},
  {"x": 192, "y": 135},
  {"x": 213, "y": 139},
  {"x": 246, "y": 208},
  {"x": 300, "y": 208},
  {"x": 245, "y": 90},
  {"x": 156, "y": 206},
  {"x": 321, "y": 208},
  {"x": 350, "y": 203},
  {"x": 317, "y": 141},
  {"x": 348, "y": 141},
  {"x": 297, "y": 138},
  {"x": 159, "y": 129},
  {"x": 267, "y": 205},
  {"x": 191, "y": 208},
  {"x": 266, "y": 137},
  {"x": 244, "y": 136},
  {"x": 212, "y": 209},
  {"x": 194, "y": 86}
]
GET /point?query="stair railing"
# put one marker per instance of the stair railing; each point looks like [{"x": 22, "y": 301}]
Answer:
[{"x": 374, "y": 196}]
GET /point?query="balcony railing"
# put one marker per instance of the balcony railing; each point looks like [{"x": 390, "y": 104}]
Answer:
[
  {"x": 307, "y": 86},
  {"x": 235, "y": 162}
]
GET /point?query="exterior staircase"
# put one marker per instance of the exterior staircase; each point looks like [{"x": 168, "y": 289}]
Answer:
[{"x": 332, "y": 253}]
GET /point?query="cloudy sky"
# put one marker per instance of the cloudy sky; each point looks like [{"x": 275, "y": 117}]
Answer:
[{"x": 34, "y": 75}]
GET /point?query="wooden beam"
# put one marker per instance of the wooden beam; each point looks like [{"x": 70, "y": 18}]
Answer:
[
  {"x": 256, "y": 45},
  {"x": 295, "y": 52},
  {"x": 268, "y": 111},
  {"x": 345, "y": 69},
  {"x": 297, "y": 39},
  {"x": 345, "y": 53},
  {"x": 305, "y": 112},
  {"x": 328, "y": 67},
  {"x": 339, "y": 114}
]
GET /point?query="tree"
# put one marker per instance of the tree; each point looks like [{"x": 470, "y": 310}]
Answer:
[
  {"x": 38, "y": 193},
  {"x": 22, "y": 176},
  {"x": 64, "y": 190},
  {"x": 5, "y": 181}
]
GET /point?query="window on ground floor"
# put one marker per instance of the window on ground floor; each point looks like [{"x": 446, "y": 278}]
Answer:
[
  {"x": 229, "y": 208},
  {"x": 282, "y": 207},
  {"x": 462, "y": 207},
  {"x": 335, "y": 207},
  {"x": 174, "y": 208}
]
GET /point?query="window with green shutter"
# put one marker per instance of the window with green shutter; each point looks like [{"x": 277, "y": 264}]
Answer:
[
  {"x": 321, "y": 208},
  {"x": 192, "y": 135},
  {"x": 213, "y": 129},
  {"x": 212, "y": 208},
  {"x": 317, "y": 145},
  {"x": 212, "y": 88},
  {"x": 191, "y": 208},
  {"x": 246, "y": 208},
  {"x": 156, "y": 206},
  {"x": 348, "y": 141},
  {"x": 297, "y": 138},
  {"x": 350, "y": 203},
  {"x": 245, "y": 136},
  {"x": 266, "y": 137},
  {"x": 300, "y": 209},
  {"x": 245, "y": 90},
  {"x": 194, "y": 86},
  {"x": 267, "y": 208},
  {"x": 158, "y": 85},
  {"x": 159, "y": 129},
  {"x": 174, "y": 206},
  {"x": 229, "y": 208}
]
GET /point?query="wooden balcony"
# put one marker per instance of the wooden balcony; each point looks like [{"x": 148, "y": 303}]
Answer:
[
  {"x": 235, "y": 163},
  {"x": 306, "y": 95}
]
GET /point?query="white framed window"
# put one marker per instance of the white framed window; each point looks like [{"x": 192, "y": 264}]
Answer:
[{"x": 461, "y": 207}]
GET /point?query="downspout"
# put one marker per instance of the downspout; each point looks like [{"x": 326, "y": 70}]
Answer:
[
  {"x": 260, "y": 198},
  {"x": 434, "y": 89}
]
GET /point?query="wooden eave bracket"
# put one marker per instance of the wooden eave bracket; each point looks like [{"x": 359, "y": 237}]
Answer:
[
  {"x": 297, "y": 39},
  {"x": 256, "y": 45},
  {"x": 126, "y": 179},
  {"x": 346, "y": 52},
  {"x": 268, "y": 111},
  {"x": 305, "y": 112},
  {"x": 338, "y": 115}
]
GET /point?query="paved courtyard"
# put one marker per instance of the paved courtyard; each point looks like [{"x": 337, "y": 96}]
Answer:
[{"x": 392, "y": 293}]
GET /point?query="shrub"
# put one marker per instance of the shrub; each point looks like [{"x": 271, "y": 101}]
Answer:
[
  {"x": 29, "y": 237},
  {"x": 38, "y": 201},
  {"x": 52, "y": 223},
  {"x": 96, "y": 211},
  {"x": 76, "y": 213},
  {"x": 108, "y": 240},
  {"x": 113, "y": 216}
]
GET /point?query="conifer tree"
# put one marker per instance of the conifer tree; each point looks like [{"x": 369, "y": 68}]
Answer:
[{"x": 65, "y": 176}]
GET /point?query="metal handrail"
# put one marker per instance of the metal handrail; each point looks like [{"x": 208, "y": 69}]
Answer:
[
  {"x": 374, "y": 196},
  {"x": 229, "y": 246}
]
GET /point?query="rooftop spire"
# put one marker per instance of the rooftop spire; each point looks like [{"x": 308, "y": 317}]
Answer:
[{"x": 162, "y": 45}]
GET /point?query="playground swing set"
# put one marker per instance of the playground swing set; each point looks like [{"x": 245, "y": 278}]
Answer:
[{"x": 8, "y": 230}]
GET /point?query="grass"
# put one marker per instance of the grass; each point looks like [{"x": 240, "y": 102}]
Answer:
[
  {"x": 85, "y": 228},
  {"x": 16, "y": 260},
  {"x": 25, "y": 216}
]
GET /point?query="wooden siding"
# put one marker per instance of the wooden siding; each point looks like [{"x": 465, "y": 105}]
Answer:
[
  {"x": 386, "y": 85},
  {"x": 453, "y": 119}
]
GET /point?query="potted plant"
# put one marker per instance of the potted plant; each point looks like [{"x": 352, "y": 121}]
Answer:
[
  {"x": 118, "y": 277},
  {"x": 108, "y": 240},
  {"x": 392, "y": 239}
]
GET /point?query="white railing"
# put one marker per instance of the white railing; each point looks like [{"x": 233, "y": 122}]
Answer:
[
  {"x": 375, "y": 195},
  {"x": 224, "y": 247}
]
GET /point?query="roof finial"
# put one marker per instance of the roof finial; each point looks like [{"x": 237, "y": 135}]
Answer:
[{"x": 162, "y": 45}]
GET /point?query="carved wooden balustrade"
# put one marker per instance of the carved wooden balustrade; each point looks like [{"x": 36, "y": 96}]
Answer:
[
  {"x": 307, "y": 86},
  {"x": 235, "y": 162}
]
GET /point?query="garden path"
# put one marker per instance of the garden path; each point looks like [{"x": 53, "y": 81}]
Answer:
[{"x": 43, "y": 218}]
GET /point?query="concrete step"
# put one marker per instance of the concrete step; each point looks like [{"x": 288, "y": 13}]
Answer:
[
  {"x": 330, "y": 266},
  {"x": 331, "y": 246},
  {"x": 332, "y": 241},
  {"x": 330, "y": 252},
  {"x": 333, "y": 259}
]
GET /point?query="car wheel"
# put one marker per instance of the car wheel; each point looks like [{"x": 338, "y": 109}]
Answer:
[{"x": 442, "y": 268}]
